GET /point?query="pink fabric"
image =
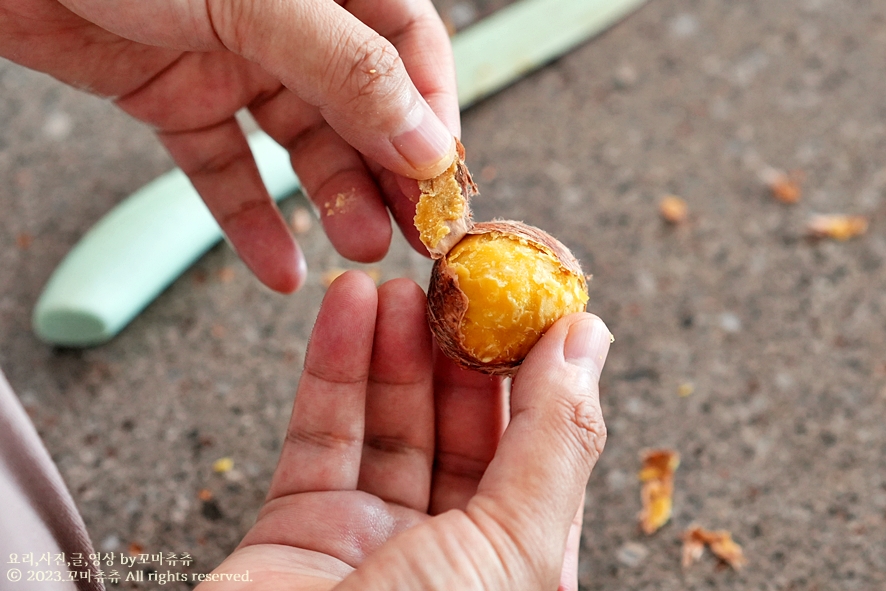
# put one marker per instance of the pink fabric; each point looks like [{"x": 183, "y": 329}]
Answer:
[{"x": 37, "y": 513}]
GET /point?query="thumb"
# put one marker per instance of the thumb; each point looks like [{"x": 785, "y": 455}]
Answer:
[
  {"x": 356, "y": 77},
  {"x": 534, "y": 485}
]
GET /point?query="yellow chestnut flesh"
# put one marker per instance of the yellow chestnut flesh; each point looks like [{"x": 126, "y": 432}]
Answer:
[
  {"x": 498, "y": 290},
  {"x": 443, "y": 213},
  {"x": 434, "y": 215},
  {"x": 515, "y": 292},
  {"x": 497, "y": 286}
]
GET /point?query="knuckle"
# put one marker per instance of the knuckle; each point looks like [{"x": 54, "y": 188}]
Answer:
[
  {"x": 585, "y": 427},
  {"x": 217, "y": 163},
  {"x": 371, "y": 68},
  {"x": 320, "y": 439},
  {"x": 198, "y": 155},
  {"x": 231, "y": 22},
  {"x": 390, "y": 445},
  {"x": 460, "y": 466}
]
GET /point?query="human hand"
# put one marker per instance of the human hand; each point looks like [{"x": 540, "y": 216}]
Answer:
[
  {"x": 400, "y": 471},
  {"x": 324, "y": 79}
]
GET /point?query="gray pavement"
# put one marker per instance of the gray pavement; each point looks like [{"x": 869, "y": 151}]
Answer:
[{"x": 783, "y": 437}]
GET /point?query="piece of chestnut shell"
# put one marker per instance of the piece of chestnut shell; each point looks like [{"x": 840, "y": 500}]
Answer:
[{"x": 496, "y": 291}]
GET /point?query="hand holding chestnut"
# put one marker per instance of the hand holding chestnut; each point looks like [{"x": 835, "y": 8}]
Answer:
[
  {"x": 497, "y": 286},
  {"x": 401, "y": 470}
]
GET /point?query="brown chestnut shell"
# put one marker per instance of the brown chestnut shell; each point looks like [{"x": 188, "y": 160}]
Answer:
[{"x": 447, "y": 304}]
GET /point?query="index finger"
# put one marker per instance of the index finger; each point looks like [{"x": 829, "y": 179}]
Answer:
[{"x": 353, "y": 74}]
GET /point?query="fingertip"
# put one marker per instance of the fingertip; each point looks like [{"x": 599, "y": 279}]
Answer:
[
  {"x": 402, "y": 289},
  {"x": 353, "y": 214},
  {"x": 348, "y": 309},
  {"x": 368, "y": 246},
  {"x": 565, "y": 366},
  {"x": 587, "y": 342},
  {"x": 284, "y": 278},
  {"x": 404, "y": 301},
  {"x": 403, "y": 338},
  {"x": 290, "y": 276},
  {"x": 352, "y": 281},
  {"x": 426, "y": 144},
  {"x": 261, "y": 239},
  {"x": 579, "y": 340}
]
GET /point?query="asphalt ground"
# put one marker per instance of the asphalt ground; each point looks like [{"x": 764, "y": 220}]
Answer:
[{"x": 775, "y": 340}]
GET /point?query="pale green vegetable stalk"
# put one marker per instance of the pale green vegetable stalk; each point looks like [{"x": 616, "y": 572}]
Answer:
[
  {"x": 524, "y": 36},
  {"x": 151, "y": 237}
]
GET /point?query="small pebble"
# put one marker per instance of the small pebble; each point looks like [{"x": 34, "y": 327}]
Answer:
[
  {"x": 223, "y": 465},
  {"x": 132, "y": 507},
  {"x": 58, "y": 125},
  {"x": 683, "y": 25},
  {"x": 625, "y": 76},
  {"x": 301, "y": 220},
  {"x": 330, "y": 275},
  {"x": 730, "y": 322},
  {"x": 110, "y": 543},
  {"x": 784, "y": 380},
  {"x": 24, "y": 240},
  {"x": 618, "y": 480},
  {"x": 673, "y": 209},
  {"x": 631, "y": 554},
  {"x": 462, "y": 15},
  {"x": 226, "y": 274},
  {"x": 685, "y": 389},
  {"x": 211, "y": 510}
]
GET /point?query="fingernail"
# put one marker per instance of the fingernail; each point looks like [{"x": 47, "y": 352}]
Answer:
[
  {"x": 426, "y": 144},
  {"x": 587, "y": 343}
]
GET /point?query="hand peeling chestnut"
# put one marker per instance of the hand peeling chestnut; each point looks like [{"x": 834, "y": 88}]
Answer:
[{"x": 496, "y": 286}]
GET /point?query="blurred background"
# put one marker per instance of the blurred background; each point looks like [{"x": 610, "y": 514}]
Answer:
[{"x": 756, "y": 352}]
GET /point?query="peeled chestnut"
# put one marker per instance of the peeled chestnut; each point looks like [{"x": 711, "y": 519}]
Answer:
[
  {"x": 494, "y": 294},
  {"x": 495, "y": 287}
]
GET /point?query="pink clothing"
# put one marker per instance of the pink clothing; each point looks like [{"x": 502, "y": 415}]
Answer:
[{"x": 37, "y": 513}]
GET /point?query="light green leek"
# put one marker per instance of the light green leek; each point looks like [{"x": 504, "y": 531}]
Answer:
[{"x": 133, "y": 253}]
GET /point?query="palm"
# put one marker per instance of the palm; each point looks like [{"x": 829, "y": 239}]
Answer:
[
  {"x": 397, "y": 471},
  {"x": 350, "y": 531},
  {"x": 372, "y": 449}
]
